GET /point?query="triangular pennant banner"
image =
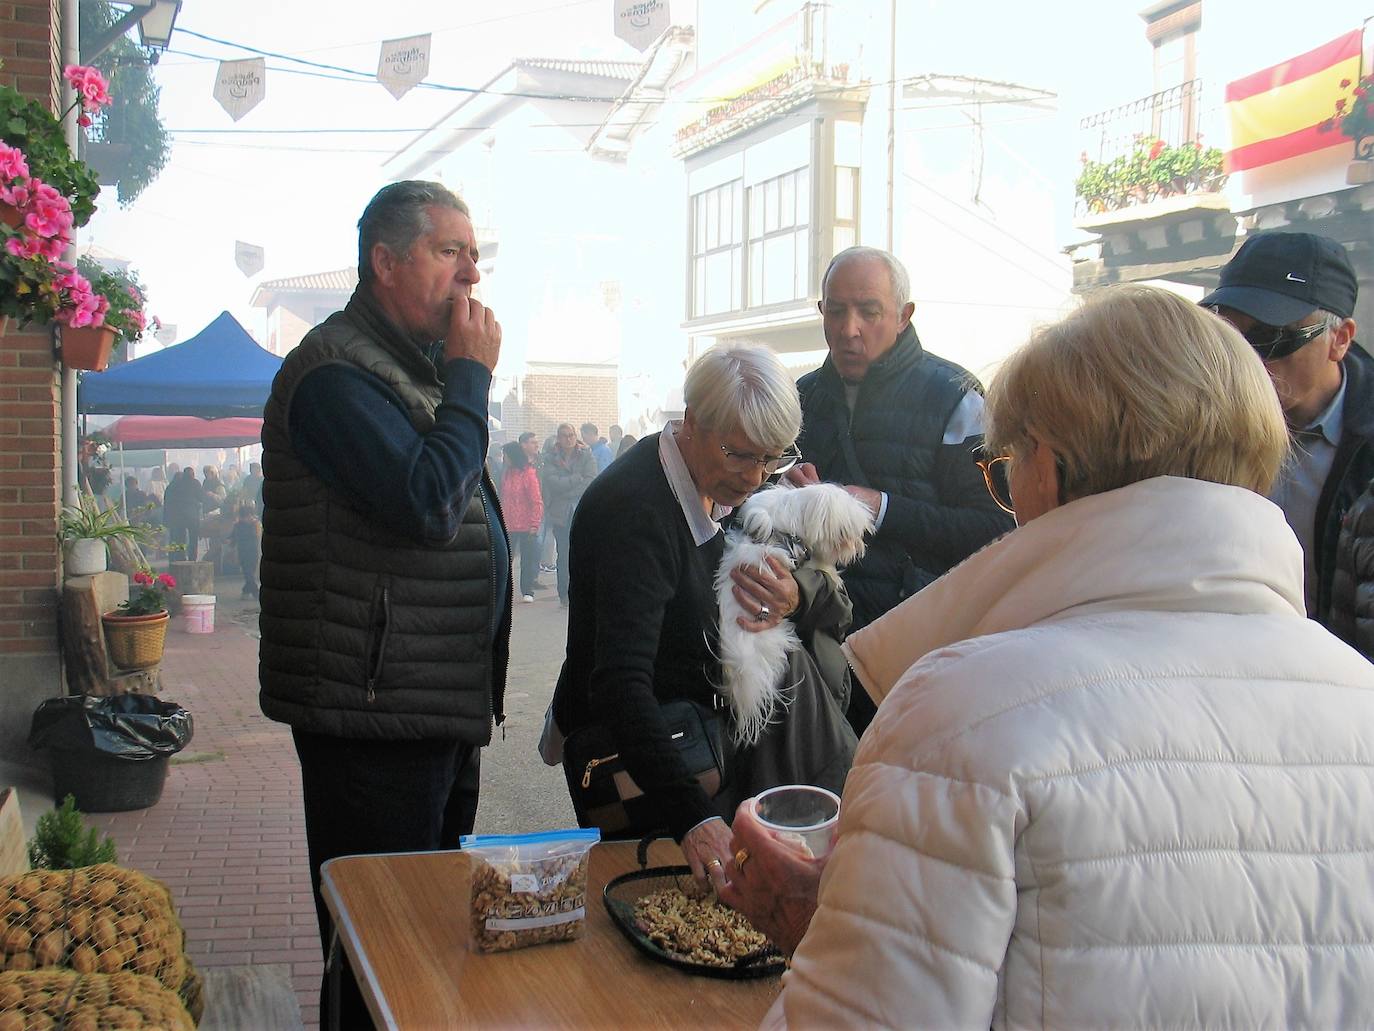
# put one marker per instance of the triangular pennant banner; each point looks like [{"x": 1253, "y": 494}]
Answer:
[
  {"x": 640, "y": 22},
  {"x": 241, "y": 85},
  {"x": 249, "y": 258},
  {"x": 404, "y": 64}
]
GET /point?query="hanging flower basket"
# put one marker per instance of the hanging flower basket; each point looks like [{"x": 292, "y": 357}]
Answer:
[
  {"x": 88, "y": 347},
  {"x": 135, "y": 642}
]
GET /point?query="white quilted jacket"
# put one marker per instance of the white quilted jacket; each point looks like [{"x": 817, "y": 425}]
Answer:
[{"x": 1125, "y": 784}]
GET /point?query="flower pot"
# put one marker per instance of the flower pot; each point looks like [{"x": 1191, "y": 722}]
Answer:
[
  {"x": 10, "y": 215},
  {"x": 86, "y": 557},
  {"x": 87, "y": 348},
  {"x": 1360, "y": 172},
  {"x": 135, "y": 642}
]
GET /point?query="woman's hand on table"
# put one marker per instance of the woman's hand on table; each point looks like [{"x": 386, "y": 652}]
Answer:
[
  {"x": 773, "y": 883},
  {"x": 769, "y": 592},
  {"x": 707, "y": 848}
]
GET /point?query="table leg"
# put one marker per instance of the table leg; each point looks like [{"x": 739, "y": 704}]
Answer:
[{"x": 333, "y": 964}]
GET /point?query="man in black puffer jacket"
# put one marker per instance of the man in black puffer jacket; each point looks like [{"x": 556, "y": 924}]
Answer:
[
  {"x": 1293, "y": 296},
  {"x": 1352, "y": 586},
  {"x": 898, "y": 426},
  {"x": 385, "y": 564}
]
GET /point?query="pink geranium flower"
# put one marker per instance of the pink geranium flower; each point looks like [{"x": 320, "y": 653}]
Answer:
[
  {"x": 12, "y": 164},
  {"x": 91, "y": 87}
]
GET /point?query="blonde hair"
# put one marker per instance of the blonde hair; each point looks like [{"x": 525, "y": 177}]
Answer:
[
  {"x": 1139, "y": 383},
  {"x": 744, "y": 387}
]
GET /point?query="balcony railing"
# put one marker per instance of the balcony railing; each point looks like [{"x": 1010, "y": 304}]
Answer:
[
  {"x": 1148, "y": 150},
  {"x": 1171, "y": 115}
]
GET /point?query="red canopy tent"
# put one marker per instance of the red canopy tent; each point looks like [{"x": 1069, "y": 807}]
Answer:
[{"x": 183, "y": 431}]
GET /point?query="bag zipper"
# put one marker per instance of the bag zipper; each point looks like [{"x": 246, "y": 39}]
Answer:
[{"x": 587, "y": 773}]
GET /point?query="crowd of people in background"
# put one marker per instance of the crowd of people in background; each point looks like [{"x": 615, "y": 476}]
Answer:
[{"x": 540, "y": 485}]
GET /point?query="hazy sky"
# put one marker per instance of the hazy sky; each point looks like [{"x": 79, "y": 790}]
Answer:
[{"x": 298, "y": 189}]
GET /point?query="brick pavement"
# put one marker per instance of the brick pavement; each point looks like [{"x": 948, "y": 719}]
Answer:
[{"x": 228, "y": 837}]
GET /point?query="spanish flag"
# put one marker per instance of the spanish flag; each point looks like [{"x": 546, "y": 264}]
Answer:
[{"x": 1277, "y": 113}]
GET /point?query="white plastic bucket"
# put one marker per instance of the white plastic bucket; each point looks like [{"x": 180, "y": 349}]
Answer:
[{"x": 198, "y": 613}]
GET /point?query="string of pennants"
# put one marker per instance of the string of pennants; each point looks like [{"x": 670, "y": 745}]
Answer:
[
  {"x": 403, "y": 63},
  {"x": 241, "y": 86}
]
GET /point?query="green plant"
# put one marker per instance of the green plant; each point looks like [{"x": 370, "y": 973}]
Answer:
[
  {"x": 152, "y": 593},
  {"x": 86, "y": 520},
  {"x": 123, "y": 291},
  {"x": 31, "y": 127},
  {"x": 1354, "y": 116},
  {"x": 132, "y": 119},
  {"x": 61, "y": 841},
  {"x": 1153, "y": 169}
]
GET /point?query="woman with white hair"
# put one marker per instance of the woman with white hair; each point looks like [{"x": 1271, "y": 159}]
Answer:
[
  {"x": 646, "y": 541},
  {"x": 1117, "y": 778}
]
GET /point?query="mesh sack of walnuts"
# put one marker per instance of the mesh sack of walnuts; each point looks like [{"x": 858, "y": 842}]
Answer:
[
  {"x": 528, "y": 889},
  {"x": 94, "y": 920},
  {"x": 65, "y": 1000}
]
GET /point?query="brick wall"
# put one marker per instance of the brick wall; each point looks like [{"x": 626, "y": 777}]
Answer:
[
  {"x": 29, "y": 492},
  {"x": 30, "y": 574},
  {"x": 562, "y": 393},
  {"x": 30, "y": 48}
]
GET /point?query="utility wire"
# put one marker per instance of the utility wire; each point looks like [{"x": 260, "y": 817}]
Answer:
[{"x": 357, "y": 75}]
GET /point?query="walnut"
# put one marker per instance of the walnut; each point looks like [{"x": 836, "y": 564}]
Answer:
[{"x": 520, "y": 902}]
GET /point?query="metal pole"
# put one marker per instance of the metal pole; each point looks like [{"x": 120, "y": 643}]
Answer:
[
  {"x": 71, "y": 49},
  {"x": 891, "y": 123}
]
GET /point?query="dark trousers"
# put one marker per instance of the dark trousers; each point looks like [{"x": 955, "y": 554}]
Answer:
[
  {"x": 187, "y": 532},
  {"x": 527, "y": 546},
  {"x": 379, "y": 796},
  {"x": 560, "y": 535},
  {"x": 248, "y": 562}
]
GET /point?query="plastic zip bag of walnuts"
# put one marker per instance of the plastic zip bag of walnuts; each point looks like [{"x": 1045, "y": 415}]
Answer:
[
  {"x": 528, "y": 889},
  {"x": 94, "y": 920},
  {"x": 63, "y": 999}
]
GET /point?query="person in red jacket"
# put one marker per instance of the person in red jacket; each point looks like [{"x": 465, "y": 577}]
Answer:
[{"x": 523, "y": 506}]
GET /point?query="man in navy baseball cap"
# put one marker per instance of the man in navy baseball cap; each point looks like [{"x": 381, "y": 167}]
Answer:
[{"x": 1292, "y": 296}]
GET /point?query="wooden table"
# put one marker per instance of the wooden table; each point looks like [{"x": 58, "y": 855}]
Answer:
[{"x": 403, "y": 921}]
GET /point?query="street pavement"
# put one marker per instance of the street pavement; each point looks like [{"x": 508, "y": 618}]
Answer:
[{"x": 228, "y": 837}]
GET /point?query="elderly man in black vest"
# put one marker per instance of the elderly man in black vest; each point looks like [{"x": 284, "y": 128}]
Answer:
[
  {"x": 898, "y": 427},
  {"x": 385, "y": 565}
]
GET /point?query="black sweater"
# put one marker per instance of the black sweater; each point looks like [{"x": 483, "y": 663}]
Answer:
[{"x": 641, "y": 626}]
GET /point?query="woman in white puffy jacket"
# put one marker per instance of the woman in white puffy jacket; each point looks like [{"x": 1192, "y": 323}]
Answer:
[{"x": 1117, "y": 778}]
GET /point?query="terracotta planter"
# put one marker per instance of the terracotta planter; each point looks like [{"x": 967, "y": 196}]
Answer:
[
  {"x": 135, "y": 642},
  {"x": 10, "y": 215},
  {"x": 87, "y": 348}
]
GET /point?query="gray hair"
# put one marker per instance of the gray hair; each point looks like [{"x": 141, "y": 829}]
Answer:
[
  {"x": 744, "y": 387},
  {"x": 397, "y": 216},
  {"x": 896, "y": 271}
]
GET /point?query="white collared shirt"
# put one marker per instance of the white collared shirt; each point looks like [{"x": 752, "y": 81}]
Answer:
[{"x": 703, "y": 527}]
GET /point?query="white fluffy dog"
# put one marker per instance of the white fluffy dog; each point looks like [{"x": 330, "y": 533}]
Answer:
[{"x": 818, "y": 525}]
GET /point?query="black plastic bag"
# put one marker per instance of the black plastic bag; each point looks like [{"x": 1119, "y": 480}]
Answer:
[{"x": 129, "y": 726}]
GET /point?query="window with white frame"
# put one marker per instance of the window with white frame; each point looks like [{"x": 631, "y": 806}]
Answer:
[
  {"x": 759, "y": 216},
  {"x": 717, "y": 249},
  {"x": 779, "y": 238}
]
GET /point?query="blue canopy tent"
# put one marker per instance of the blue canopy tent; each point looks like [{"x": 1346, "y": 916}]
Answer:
[{"x": 219, "y": 373}]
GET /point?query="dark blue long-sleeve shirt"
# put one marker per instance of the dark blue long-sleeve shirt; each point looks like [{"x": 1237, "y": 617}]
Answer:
[{"x": 352, "y": 431}]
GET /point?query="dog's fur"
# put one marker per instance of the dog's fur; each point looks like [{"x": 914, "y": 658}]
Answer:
[{"x": 818, "y": 525}]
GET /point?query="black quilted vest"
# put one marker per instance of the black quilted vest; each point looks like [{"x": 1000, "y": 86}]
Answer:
[
  {"x": 367, "y": 634},
  {"x": 899, "y": 419}
]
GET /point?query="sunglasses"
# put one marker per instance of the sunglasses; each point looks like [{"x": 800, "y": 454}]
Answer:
[
  {"x": 1274, "y": 342},
  {"x": 742, "y": 461},
  {"x": 996, "y": 474}
]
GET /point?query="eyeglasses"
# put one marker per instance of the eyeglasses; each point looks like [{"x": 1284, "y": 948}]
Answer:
[
  {"x": 996, "y": 474},
  {"x": 742, "y": 461},
  {"x": 1274, "y": 342}
]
